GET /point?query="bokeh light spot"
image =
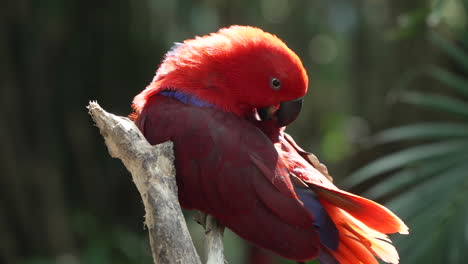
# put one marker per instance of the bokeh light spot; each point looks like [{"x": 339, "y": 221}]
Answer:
[{"x": 323, "y": 49}]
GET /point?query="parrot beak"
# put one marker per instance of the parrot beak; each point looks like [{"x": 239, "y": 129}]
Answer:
[
  {"x": 288, "y": 111},
  {"x": 285, "y": 114}
]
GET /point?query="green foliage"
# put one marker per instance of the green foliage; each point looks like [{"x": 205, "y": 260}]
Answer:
[{"x": 427, "y": 182}]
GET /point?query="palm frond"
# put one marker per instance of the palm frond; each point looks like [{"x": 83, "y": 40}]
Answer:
[
  {"x": 423, "y": 131},
  {"x": 427, "y": 183},
  {"x": 406, "y": 157},
  {"x": 436, "y": 102}
]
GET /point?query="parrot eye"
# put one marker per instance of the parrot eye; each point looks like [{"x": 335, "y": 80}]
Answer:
[{"x": 275, "y": 84}]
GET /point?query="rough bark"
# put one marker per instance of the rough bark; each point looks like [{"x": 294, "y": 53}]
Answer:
[
  {"x": 153, "y": 172},
  {"x": 214, "y": 250}
]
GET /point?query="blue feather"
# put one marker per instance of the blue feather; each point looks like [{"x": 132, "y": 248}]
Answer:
[
  {"x": 186, "y": 98},
  {"x": 327, "y": 230}
]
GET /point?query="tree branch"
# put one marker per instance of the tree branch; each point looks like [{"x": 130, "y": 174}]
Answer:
[
  {"x": 153, "y": 172},
  {"x": 213, "y": 240}
]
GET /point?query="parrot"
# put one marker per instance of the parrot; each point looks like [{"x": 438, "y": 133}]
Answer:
[{"x": 224, "y": 100}]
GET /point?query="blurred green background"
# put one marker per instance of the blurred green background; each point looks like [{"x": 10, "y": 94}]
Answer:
[{"x": 387, "y": 111}]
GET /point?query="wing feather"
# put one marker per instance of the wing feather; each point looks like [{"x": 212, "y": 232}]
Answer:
[{"x": 228, "y": 168}]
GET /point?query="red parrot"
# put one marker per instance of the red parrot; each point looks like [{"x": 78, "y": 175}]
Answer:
[{"x": 224, "y": 100}]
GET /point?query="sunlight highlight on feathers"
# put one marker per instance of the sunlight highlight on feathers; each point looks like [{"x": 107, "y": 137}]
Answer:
[{"x": 235, "y": 62}]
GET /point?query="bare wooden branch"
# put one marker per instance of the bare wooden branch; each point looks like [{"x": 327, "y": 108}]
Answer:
[
  {"x": 214, "y": 250},
  {"x": 153, "y": 172},
  {"x": 214, "y": 241}
]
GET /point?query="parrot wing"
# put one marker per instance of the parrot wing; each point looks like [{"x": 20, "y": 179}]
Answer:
[
  {"x": 362, "y": 224},
  {"x": 369, "y": 212},
  {"x": 228, "y": 168},
  {"x": 310, "y": 157}
]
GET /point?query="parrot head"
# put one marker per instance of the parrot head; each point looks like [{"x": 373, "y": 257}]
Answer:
[{"x": 238, "y": 69}]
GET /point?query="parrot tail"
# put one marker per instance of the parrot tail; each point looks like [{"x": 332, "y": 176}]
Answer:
[{"x": 362, "y": 226}]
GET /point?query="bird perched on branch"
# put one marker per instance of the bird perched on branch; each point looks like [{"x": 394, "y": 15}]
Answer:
[{"x": 224, "y": 100}]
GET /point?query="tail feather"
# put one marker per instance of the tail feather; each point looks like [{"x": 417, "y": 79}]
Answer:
[
  {"x": 377, "y": 243},
  {"x": 358, "y": 248},
  {"x": 344, "y": 255},
  {"x": 370, "y": 213},
  {"x": 358, "y": 242}
]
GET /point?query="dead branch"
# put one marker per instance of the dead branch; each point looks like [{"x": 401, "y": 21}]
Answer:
[{"x": 153, "y": 172}]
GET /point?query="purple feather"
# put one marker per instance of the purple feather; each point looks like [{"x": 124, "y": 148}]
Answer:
[
  {"x": 322, "y": 221},
  {"x": 186, "y": 98}
]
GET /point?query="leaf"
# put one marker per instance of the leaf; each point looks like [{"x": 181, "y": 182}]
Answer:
[
  {"x": 452, "y": 80},
  {"x": 431, "y": 193},
  {"x": 429, "y": 211},
  {"x": 456, "y": 53},
  {"x": 412, "y": 176},
  {"x": 456, "y": 246},
  {"x": 422, "y": 131},
  {"x": 404, "y": 157},
  {"x": 436, "y": 102}
]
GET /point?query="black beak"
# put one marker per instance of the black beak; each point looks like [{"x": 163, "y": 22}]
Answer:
[
  {"x": 285, "y": 114},
  {"x": 289, "y": 111}
]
